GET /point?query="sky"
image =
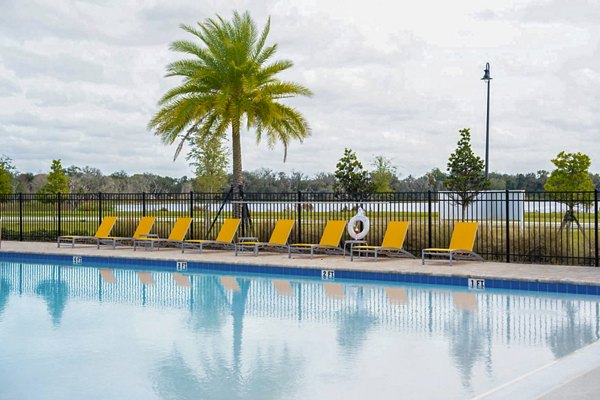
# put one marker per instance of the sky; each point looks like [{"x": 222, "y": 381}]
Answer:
[{"x": 79, "y": 81}]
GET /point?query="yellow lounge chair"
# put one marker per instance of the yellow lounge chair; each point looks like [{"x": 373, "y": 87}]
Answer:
[
  {"x": 392, "y": 244},
  {"x": 461, "y": 244},
  {"x": 102, "y": 232},
  {"x": 143, "y": 230},
  {"x": 224, "y": 238},
  {"x": 279, "y": 238},
  {"x": 178, "y": 232},
  {"x": 330, "y": 240}
]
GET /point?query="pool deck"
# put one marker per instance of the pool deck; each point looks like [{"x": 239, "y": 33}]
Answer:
[
  {"x": 576, "y": 376},
  {"x": 475, "y": 269}
]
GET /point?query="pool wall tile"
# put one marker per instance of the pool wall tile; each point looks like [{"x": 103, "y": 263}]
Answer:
[
  {"x": 170, "y": 265},
  {"x": 561, "y": 288}
]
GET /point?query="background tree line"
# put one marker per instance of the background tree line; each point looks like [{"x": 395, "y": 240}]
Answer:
[{"x": 383, "y": 174}]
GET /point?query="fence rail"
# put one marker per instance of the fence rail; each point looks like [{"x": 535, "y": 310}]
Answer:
[{"x": 514, "y": 226}]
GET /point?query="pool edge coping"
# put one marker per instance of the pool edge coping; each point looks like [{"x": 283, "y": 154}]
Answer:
[{"x": 455, "y": 279}]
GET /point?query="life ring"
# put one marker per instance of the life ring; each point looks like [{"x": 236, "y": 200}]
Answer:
[{"x": 359, "y": 217}]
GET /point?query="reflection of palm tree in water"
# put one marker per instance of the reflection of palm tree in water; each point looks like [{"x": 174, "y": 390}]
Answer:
[
  {"x": 356, "y": 321},
  {"x": 270, "y": 376},
  {"x": 208, "y": 304},
  {"x": 573, "y": 335},
  {"x": 212, "y": 303},
  {"x": 4, "y": 294},
  {"x": 56, "y": 293},
  {"x": 466, "y": 343}
]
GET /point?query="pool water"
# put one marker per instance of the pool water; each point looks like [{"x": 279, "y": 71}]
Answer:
[{"x": 98, "y": 333}]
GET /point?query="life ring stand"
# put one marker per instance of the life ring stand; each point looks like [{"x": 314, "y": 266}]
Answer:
[{"x": 359, "y": 217}]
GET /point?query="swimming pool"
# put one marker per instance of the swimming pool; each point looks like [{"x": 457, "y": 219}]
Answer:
[{"x": 73, "y": 332}]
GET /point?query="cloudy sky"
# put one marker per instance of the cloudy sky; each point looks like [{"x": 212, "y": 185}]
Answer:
[{"x": 79, "y": 80}]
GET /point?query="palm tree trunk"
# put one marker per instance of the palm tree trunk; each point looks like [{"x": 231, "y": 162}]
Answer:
[{"x": 237, "y": 167}]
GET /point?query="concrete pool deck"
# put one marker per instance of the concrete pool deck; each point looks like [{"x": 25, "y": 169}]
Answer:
[
  {"x": 485, "y": 270},
  {"x": 576, "y": 376}
]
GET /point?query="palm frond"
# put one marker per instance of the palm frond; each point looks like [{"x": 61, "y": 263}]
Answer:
[{"x": 258, "y": 54}]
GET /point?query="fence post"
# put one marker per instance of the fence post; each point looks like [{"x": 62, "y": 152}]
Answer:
[
  {"x": 596, "y": 258},
  {"x": 59, "y": 214},
  {"x": 192, "y": 212},
  {"x": 299, "y": 231},
  {"x": 99, "y": 208},
  {"x": 20, "y": 217},
  {"x": 507, "y": 209},
  {"x": 429, "y": 224},
  {"x": 143, "y": 204}
]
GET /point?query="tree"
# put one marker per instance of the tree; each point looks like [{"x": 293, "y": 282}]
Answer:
[
  {"x": 7, "y": 175},
  {"x": 570, "y": 183},
  {"x": 351, "y": 177},
  {"x": 497, "y": 181},
  {"x": 435, "y": 179},
  {"x": 120, "y": 179},
  {"x": 466, "y": 177},
  {"x": 209, "y": 157},
  {"x": 412, "y": 184},
  {"x": 89, "y": 180},
  {"x": 383, "y": 174},
  {"x": 228, "y": 82},
  {"x": 58, "y": 182}
]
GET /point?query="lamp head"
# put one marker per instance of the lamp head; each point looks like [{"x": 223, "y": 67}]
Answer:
[{"x": 486, "y": 73}]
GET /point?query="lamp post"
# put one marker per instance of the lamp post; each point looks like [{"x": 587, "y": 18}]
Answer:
[{"x": 487, "y": 78}]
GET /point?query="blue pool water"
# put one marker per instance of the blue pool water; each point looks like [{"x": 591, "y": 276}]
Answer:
[{"x": 72, "y": 332}]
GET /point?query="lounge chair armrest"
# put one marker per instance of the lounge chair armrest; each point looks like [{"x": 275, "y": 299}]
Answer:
[{"x": 247, "y": 239}]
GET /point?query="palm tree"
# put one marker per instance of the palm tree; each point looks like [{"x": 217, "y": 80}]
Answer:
[{"x": 229, "y": 81}]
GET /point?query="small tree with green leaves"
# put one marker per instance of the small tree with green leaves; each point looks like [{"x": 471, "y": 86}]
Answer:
[
  {"x": 570, "y": 183},
  {"x": 7, "y": 175},
  {"x": 383, "y": 174},
  {"x": 351, "y": 178},
  {"x": 210, "y": 159},
  {"x": 58, "y": 182},
  {"x": 466, "y": 177}
]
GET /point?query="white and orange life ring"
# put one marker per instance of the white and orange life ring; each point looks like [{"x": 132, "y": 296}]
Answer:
[{"x": 353, "y": 223}]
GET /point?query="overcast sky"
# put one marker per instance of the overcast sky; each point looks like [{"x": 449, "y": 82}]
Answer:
[{"x": 79, "y": 80}]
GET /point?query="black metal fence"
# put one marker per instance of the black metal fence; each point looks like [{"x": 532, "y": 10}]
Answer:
[{"x": 514, "y": 226}]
